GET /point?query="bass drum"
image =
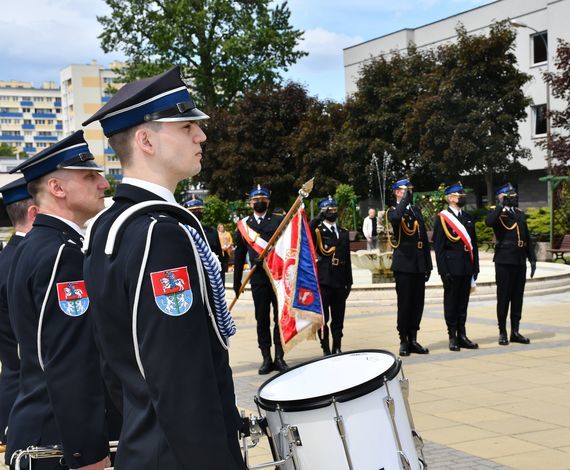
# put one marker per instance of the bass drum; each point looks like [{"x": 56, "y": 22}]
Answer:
[{"x": 341, "y": 412}]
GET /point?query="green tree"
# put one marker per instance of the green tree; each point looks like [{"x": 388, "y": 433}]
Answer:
[
  {"x": 7, "y": 150},
  {"x": 216, "y": 211},
  {"x": 559, "y": 141},
  {"x": 252, "y": 144},
  {"x": 468, "y": 122},
  {"x": 10, "y": 151},
  {"x": 224, "y": 46},
  {"x": 378, "y": 119},
  {"x": 346, "y": 199}
]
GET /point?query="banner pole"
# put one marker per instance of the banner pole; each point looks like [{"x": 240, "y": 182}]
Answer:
[{"x": 303, "y": 193}]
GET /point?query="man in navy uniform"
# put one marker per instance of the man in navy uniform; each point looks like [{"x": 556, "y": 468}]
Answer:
[
  {"x": 252, "y": 235},
  {"x": 411, "y": 263},
  {"x": 61, "y": 398},
  {"x": 457, "y": 256},
  {"x": 22, "y": 211},
  {"x": 513, "y": 247},
  {"x": 332, "y": 247},
  {"x": 196, "y": 206},
  {"x": 159, "y": 301}
]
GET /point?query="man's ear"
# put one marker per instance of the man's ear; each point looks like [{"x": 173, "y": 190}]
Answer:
[
  {"x": 144, "y": 140},
  {"x": 33, "y": 210},
  {"x": 55, "y": 187}
]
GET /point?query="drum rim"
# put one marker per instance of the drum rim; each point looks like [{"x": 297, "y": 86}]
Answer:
[{"x": 322, "y": 401}]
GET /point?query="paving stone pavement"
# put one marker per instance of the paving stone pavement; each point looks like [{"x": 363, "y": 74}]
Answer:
[{"x": 499, "y": 407}]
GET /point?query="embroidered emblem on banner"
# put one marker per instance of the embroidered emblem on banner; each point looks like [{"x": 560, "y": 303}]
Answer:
[
  {"x": 305, "y": 296},
  {"x": 72, "y": 297},
  {"x": 172, "y": 292}
]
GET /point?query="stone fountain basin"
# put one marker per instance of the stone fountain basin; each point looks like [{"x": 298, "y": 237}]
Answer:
[{"x": 373, "y": 260}]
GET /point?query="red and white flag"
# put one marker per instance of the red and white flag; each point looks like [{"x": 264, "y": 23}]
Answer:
[{"x": 292, "y": 269}]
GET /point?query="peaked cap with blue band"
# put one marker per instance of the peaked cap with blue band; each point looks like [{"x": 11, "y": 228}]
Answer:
[
  {"x": 403, "y": 183},
  {"x": 505, "y": 188},
  {"x": 194, "y": 203},
  {"x": 71, "y": 153},
  {"x": 259, "y": 191},
  {"x": 15, "y": 191},
  {"x": 160, "y": 98},
  {"x": 328, "y": 202},
  {"x": 454, "y": 189}
]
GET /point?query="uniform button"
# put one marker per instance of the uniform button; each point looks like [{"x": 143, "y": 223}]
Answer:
[{"x": 77, "y": 455}]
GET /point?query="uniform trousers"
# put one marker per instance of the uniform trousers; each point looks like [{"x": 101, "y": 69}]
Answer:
[
  {"x": 410, "y": 288},
  {"x": 334, "y": 306},
  {"x": 263, "y": 299},
  {"x": 455, "y": 301},
  {"x": 510, "y": 279}
]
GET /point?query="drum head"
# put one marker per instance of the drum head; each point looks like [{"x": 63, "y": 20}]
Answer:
[{"x": 342, "y": 376}]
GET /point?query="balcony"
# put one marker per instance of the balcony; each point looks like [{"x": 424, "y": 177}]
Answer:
[
  {"x": 26, "y": 103},
  {"x": 51, "y": 138},
  {"x": 12, "y": 138},
  {"x": 28, "y": 126},
  {"x": 10, "y": 114},
  {"x": 44, "y": 115}
]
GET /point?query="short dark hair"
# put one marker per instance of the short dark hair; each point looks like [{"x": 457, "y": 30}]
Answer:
[
  {"x": 35, "y": 185},
  {"x": 18, "y": 211},
  {"x": 121, "y": 142}
]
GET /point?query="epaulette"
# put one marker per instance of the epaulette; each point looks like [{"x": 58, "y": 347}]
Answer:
[{"x": 162, "y": 207}]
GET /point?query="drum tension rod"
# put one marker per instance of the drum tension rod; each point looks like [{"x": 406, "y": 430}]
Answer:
[
  {"x": 342, "y": 432},
  {"x": 417, "y": 438},
  {"x": 391, "y": 405}
]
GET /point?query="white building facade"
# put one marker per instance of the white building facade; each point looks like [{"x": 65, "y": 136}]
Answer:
[
  {"x": 550, "y": 19},
  {"x": 84, "y": 89},
  {"x": 30, "y": 117}
]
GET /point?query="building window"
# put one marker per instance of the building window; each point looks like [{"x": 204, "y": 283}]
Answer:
[
  {"x": 114, "y": 171},
  {"x": 539, "y": 120},
  {"x": 26, "y": 110},
  {"x": 539, "y": 49}
]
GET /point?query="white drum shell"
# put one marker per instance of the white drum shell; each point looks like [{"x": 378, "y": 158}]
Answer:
[{"x": 370, "y": 435}]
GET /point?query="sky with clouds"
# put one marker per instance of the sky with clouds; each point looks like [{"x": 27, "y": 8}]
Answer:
[{"x": 40, "y": 37}]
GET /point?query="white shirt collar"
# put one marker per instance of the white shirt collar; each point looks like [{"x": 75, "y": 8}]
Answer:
[
  {"x": 455, "y": 211},
  {"x": 20, "y": 234},
  {"x": 330, "y": 225},
  {"x": 73, "y": 225},
  {"x": 160, "y": 191}
]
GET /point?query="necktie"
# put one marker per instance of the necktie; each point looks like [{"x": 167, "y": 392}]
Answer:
[
  {"x": 333, "y": 229},
  {"x": 259, "y": 219}
]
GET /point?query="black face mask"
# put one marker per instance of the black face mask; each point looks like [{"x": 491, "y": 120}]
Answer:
[
  {"x": 198, "y": 215},
  {"x": 511, "y": 201},
  {"x": 461, "y": 202},
  {"x": 331, "y": 217},
  {"x": 260, "y": 206}
]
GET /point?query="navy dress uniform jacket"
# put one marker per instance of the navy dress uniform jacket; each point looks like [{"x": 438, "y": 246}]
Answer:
[
  {"x": 413, "y": 253},
  {"x": 333, "y": 271},
  {"x": 512, "y": 246},
  {"x": 451, "y": 256},
  {"x": 10, "y": 373},
  {"x": 64, "y": 402},
  {"x": 181, "y": 414},
  {"x": 266, "y": 229}
]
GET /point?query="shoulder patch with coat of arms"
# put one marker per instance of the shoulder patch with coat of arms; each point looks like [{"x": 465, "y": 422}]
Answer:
[
  {"x": 172, "y": 292},
  {"x": 72, "y": 297}
]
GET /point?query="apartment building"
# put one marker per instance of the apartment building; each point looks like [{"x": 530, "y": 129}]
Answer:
[
  {"x": 30, "y": 117},
  {"x": 84, "y": 89}
]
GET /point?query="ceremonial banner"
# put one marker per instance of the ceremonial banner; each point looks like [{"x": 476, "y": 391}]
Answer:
[{"x": 292, "y": 269}]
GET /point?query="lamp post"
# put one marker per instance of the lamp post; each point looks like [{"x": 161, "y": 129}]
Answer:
[{"x": 517, "y": 24}]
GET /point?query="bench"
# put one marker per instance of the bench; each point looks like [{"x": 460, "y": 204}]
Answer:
[{"x": 561, "y": 250}]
